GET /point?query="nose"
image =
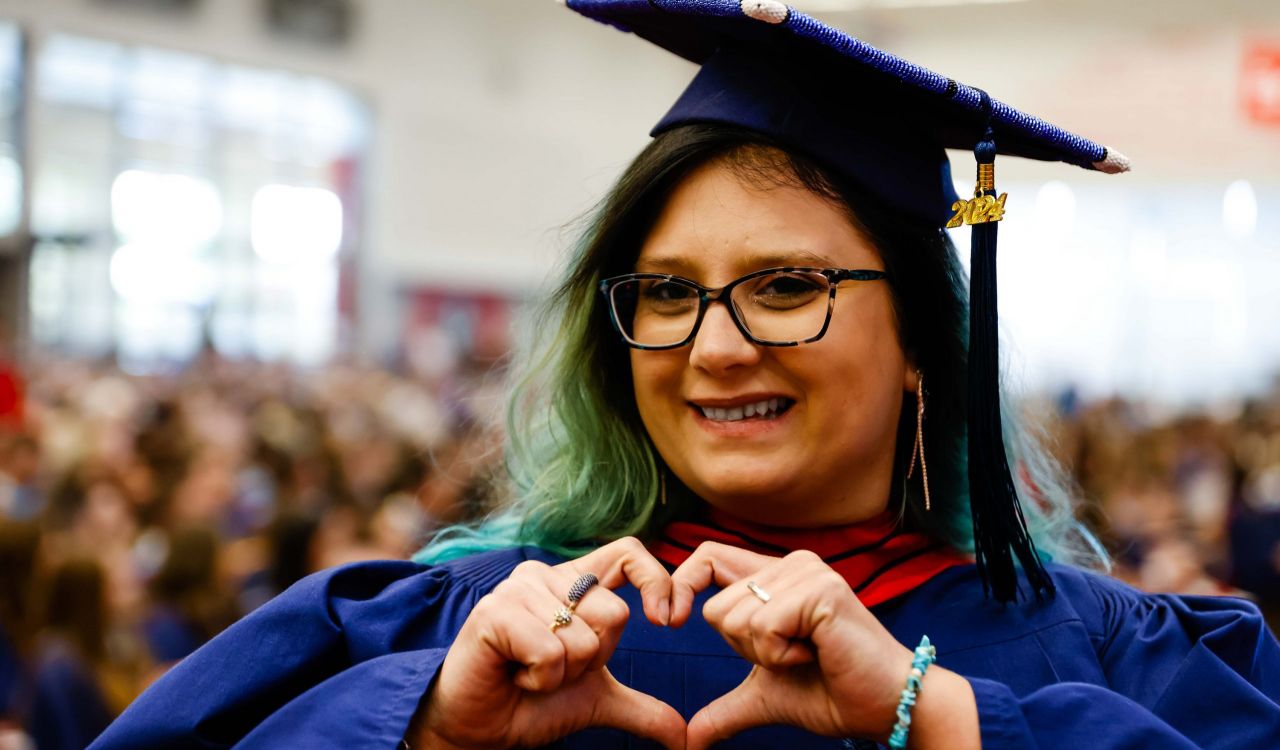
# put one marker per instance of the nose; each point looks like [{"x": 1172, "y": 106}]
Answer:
[{"x": 719, "y": 346}]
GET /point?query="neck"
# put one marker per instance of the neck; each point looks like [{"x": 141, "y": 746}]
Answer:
[{"x": 784, "y": 513}]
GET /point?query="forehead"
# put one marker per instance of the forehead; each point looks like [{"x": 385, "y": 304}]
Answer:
[{"x": 720, "y": 223}]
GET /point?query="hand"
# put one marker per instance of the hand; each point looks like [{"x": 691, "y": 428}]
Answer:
[
  {"x": 821, "y": 660},
  {"x": 509, "y": 680}
]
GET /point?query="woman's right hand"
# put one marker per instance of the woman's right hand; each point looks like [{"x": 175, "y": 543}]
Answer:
[{"x": 510, "y": 681}]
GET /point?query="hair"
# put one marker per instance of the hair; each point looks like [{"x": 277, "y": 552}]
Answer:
[
  {"x": 19, "y": 577},
  {"x": 75, "y": 607},
  {"x": 188, "y": 580},
  {"x": 583, "y": 469}
]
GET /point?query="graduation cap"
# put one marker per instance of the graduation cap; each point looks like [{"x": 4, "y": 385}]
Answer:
[{"x": 883, "y": 123}]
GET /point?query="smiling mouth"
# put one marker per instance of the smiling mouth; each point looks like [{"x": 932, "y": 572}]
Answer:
[{"x": 764, "y": 410}]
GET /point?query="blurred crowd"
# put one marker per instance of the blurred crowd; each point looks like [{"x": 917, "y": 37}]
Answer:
[
  {"x": 140, "y": 515},
  {"x": 1185, "y": 501}
]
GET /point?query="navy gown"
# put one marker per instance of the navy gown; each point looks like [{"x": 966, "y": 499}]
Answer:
[{"x": 341, "y": 660}]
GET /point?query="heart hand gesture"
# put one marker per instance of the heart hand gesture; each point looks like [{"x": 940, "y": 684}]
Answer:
[
  {"x": 821, "y": 660},
  {"x": 510, "y": 680}
]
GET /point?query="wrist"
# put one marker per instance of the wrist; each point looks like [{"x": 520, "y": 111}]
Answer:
[
  {"x": 945, "y": 714},
  {"x": 423, "y": 732},
  {"x": 933, "y": 707},
  {"x": 428, "y": 740}
]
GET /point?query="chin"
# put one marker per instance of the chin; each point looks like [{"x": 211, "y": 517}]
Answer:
[{"x": 748, "y": 482}]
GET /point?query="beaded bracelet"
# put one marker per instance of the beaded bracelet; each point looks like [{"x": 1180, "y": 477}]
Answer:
[{"x": 925, "y": 655}]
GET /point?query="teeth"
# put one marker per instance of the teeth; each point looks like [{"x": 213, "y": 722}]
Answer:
[{"x": 767, "y": 409}]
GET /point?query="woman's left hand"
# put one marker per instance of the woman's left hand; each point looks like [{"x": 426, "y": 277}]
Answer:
[{"x": 821, "y": 660}]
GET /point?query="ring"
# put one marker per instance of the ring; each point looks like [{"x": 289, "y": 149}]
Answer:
[
  {"x": 760, "y": 593},
  {"x": 580, "y": 588},
  {"x": 563, "y": 617}
]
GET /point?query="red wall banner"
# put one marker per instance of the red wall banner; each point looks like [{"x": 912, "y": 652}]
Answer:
[{"x": 1260, "y": 83}]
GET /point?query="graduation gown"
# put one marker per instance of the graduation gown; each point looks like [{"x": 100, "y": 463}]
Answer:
[{"x": 342, "y": 659}]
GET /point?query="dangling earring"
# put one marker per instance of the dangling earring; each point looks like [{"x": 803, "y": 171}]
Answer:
[
  {"x": 662, "y": 486},
  {"x": 918, "y": 448}
]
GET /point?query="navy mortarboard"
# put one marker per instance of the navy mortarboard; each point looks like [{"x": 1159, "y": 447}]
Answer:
[{"x": 883, "y": 123}]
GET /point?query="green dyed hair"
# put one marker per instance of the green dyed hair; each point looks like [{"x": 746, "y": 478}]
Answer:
[{"x": 582, "y": 469}]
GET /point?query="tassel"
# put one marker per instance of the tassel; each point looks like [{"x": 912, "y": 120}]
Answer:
[{"x": 999, "y": 527}]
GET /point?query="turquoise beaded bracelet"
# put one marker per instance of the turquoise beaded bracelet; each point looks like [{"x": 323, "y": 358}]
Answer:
[{"x": 925, "y": 655}]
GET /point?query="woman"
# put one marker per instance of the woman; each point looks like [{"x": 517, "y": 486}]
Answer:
[
  {"x": 741, "y": 505},
  {"x": 19, "y": 555},
  {"x": 189, "y": 604},
  {"x": 70, "y": 699}
]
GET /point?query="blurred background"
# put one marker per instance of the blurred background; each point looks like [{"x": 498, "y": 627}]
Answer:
[{"x": 261, "y": 262}]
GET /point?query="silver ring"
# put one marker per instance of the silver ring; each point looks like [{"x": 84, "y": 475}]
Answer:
[
  {"x": 760, "y": 593},
  {"x": 562, "y": 618},
  {"x": 580, "y": 588}
]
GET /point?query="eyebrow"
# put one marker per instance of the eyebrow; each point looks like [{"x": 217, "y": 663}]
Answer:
[{"x": 683, "y": 265}]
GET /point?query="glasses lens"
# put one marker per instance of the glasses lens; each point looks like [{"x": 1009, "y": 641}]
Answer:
[
  {"x": 784, "y": 307},
  {"x": 655, "y": 312}
]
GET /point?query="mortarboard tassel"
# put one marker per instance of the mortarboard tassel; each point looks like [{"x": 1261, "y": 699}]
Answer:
[{"x": 999, "y": 527}]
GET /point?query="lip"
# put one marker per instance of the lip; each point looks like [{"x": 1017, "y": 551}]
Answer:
[
  {"x": 746, "y": 428},
  {"x": 743, "y": 400}
]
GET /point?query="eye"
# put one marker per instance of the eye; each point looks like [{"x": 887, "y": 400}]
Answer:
[
  {"x": 668, "y": 291},
  {"x": 665, "y": 297},
  {"x": 784, "y": 291}
]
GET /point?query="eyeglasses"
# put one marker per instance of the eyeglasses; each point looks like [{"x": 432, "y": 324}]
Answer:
[{"x": 772, "y": 307}]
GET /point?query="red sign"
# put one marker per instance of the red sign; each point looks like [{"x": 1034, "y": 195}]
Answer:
[
  {"x": 1260, "y": 84},
  {"x": 11, "y": 398}
]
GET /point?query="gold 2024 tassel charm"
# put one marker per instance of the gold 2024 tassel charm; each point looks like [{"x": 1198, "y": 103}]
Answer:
[{"x": 984, "y": 207}]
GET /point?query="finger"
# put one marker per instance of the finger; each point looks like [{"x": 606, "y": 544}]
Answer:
[
  {"x": 620, "y": 707},
  {"x": 740, "y": 709},
  {"x": 520, "y": 636},
  {"x": 607, "y": 615},
  {"x": 581, "y": 643},
  {"x": 731, "y": 612},
  {"x": 771, "y": 634},
  {"x": 781, "y": 631},
  {"x": 626, "y": 560},
  {"x": 710, "y": 563},
  {"x": 727, "y": 613},
  {"x": 716, "y": 610},
  {"x": 601, "y": 610},
  {"x": 582, "y": 649},
  {"x": 777, "y": 635}
]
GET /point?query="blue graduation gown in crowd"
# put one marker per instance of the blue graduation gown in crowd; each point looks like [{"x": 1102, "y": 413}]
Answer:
[
  {"x": 342, "y": 659},
  {"x": 68, "y": 708}
]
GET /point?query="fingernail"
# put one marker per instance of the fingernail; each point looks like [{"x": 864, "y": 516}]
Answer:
[{"x": 664, "y": 611}]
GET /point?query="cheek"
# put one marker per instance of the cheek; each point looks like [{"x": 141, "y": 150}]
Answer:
[
  {"x": 859, "y": 367},
  {"x": 656, "y": 382},
  {"x": 641, "y": 380}
]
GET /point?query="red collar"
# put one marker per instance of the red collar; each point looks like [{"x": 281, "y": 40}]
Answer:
[{"x": 878, "y": 558}]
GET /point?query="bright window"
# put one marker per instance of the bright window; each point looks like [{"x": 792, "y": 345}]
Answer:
[
  {"x": 11, "y": 195},
  {"x": 182, "y": 201}
]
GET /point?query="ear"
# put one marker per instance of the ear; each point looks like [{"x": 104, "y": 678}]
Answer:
[{"x": 911, "y": 377}]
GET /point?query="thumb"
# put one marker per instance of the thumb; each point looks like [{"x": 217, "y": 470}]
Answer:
[
  {"x": 620, "y": 707},
  {"x": 736, "y": 711},
  {"x": 711, "y": 563}
]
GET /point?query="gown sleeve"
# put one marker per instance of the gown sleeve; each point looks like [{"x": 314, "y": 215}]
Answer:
[
  {"x": 1182, "y": 673},
  {"x": 340, "y": 660}
]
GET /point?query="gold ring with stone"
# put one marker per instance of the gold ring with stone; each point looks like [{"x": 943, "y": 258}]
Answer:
[{"x": 562, "y": 618}]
